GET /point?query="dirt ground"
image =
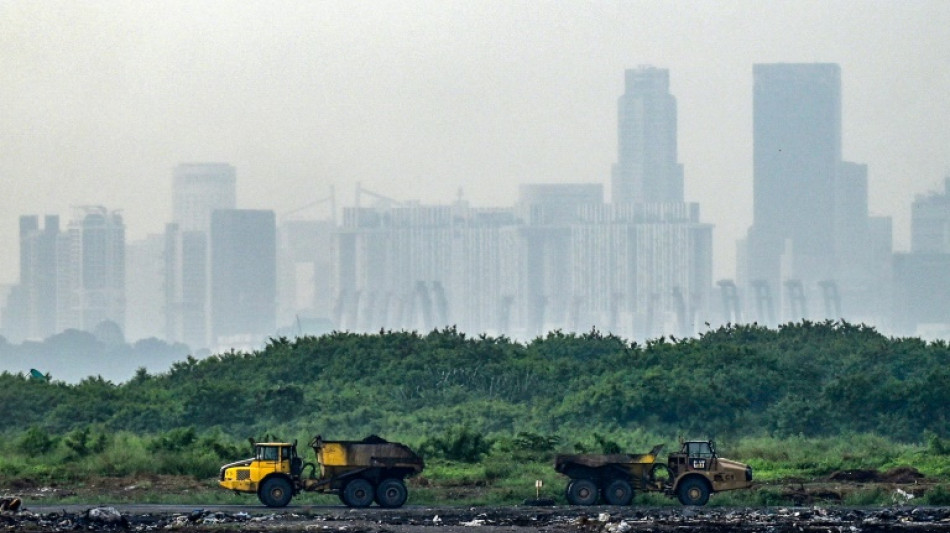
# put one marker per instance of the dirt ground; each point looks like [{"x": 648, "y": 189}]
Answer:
[{"x": 816, "y": 508}]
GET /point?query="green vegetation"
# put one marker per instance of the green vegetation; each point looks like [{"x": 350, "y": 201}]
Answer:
[{"x": 798, "y": 402}]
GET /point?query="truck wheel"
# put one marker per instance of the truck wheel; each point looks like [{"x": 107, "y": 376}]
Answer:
[
  {"x": 358, "y": 493},
  {"x": 391, "y": 493},
  {"x": 276, "y": 492},
  {"x": 693, "y": 491},
  {"x": 582, "y": 492},
  {"x": 618, "y": 492}
]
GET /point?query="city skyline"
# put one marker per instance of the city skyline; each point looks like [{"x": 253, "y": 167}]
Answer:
[{"x": 439, "y": 98}]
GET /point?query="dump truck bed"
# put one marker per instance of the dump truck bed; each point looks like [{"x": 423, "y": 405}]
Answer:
[
  {"x": 371, "y": 452},
  {"x": 597, "y": 460}
]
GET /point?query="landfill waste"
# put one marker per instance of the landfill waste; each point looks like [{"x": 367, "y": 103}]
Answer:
[{"x": 516, "y": 519}]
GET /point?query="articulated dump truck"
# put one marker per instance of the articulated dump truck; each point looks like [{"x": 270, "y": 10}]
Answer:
[
  {"x": 691, "y": 474},
  {"x": 360, "y": 472}
]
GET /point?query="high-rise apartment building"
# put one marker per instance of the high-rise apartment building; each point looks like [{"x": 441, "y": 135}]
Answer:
[
  {"x": 198, "y": 189},
  {"x": 647, "y": 168},
  {"x": 304, "y": 265},
  {"x": 30, "y": 311},
  {"x": 38, "y": 273},
  {"x": 144, "y": 279},
  {"x": 930, "y": 222},
  {"x": 186, "y": 286},
  {"x": 90, "y": 270},
  {"x": 560, "y": 259},
  {"x": 243, "y": 276},
  {"x": 922, "y": 277}
]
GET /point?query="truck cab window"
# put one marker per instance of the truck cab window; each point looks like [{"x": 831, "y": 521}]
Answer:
[
  {"x": 698, "y": 449},
  {"x": 267, "y": 453}
]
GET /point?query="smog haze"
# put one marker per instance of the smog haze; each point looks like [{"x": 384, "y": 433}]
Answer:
[{"x": 417, "y": 100}]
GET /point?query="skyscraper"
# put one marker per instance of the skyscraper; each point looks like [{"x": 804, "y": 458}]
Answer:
[
  {"x": 38, "y": 274},
  {"x": 144, "y": 277},
  {"x": 198, "y": 190},
  {"x": 930, "y": 222},
  {"x": 186, "y": 286},
  {"x": 647, "y": 168},
  {"x": 797, "y": 153},
  {"x": 30, "y": 311},
  {"x": 243, "y": 276}
]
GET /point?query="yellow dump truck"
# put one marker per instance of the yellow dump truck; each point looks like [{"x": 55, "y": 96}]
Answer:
[
  {"x": 691, "y": 474},
  {"x": 360, "y": 472}
]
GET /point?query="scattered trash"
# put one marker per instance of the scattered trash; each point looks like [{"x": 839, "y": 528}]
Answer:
[
  {"x": 559, "y": 519},
  {"x": 901, "y": 496}
]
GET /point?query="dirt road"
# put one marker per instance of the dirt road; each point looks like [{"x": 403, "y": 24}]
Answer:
[{"x": 418, "y": 519}]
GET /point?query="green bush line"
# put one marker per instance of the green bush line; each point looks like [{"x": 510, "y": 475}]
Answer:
[
  {"x": 810, "y": 379},
  {"x": 798, "y": 401}
]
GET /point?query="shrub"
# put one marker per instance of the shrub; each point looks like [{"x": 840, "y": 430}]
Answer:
[
  {"x": 459, "y": 443},
  {"x": 529, "y": 446},
  {"x": 936, "y": 445},
  {"x": 36, "y": 441},
  {"x": 938, "y": 495},
  {"x": 175, "y": 440},
  {"x": 82, "y": 442}
]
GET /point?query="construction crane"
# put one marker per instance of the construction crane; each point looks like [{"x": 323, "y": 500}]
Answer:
[
  {"x": 382, "y": 200},
  {"x": 329, "y": 198}
]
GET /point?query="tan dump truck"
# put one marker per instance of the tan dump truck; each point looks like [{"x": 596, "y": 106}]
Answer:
[
  {"x": 360, "y": 472},
  {"x": 691, "y": 474}
]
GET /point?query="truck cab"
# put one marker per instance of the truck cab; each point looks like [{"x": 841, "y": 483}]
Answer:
[
  {"x": 270, "y": 473},
  {"x": 697, "y": 471}
]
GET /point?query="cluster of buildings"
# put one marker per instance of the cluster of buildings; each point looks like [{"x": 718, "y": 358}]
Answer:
[
  {"x": 562, "y": 256},
  {"x": 209, "y": 280}
]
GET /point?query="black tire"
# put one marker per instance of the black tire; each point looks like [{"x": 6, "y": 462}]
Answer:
[
  {"x": 618, "y": 492},
  {"x": 693, "y": 491},
  {"x": 276, "y": 492},
  {"x": 582, "y": 492},
  {"x": 358, "y": 493},
  {"x": 391, "y": 493}
]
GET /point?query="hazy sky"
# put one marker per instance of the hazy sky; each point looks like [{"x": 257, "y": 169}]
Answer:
[{"x": 100, "y": 100}]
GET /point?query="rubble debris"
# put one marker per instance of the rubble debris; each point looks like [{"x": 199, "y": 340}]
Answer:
[
  {"x": 899, "y": 475},
  {"x": 858, "y": 475}
]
